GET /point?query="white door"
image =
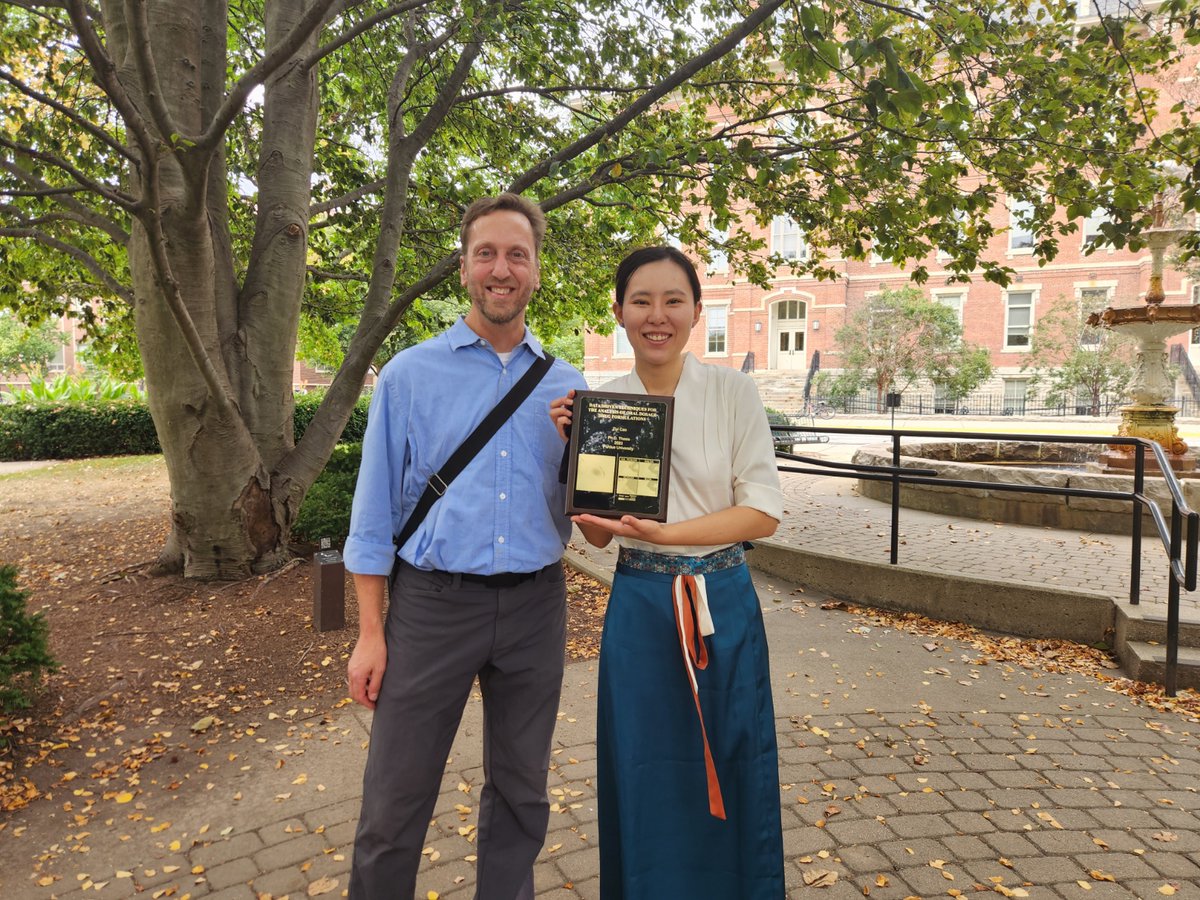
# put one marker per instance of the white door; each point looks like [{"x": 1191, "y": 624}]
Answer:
[
  {"x": 790, "y": 353},
  {"x": 789, "y": 324}
]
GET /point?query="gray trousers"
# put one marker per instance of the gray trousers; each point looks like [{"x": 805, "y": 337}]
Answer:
[{"x": 441, "y": 634}]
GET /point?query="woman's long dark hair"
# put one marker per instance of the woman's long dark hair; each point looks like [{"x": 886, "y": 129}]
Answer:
[{"x": 645, "y": 255}]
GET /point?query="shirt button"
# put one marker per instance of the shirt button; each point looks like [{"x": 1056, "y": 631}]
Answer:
[
  {"x": 503, "y": 496},
  {"x": 500, "y": 540},
  {"x": 504, "y": 453}
]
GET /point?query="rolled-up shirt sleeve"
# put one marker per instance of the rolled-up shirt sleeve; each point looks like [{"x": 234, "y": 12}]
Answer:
[
  {"x": 376, "y": 514},
  {"x": 755, "y": 472}
]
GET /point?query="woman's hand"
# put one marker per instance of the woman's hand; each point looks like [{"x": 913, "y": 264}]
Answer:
[
  {"x": 560, "y": 413},
  {"x": 627, "y": 526}
]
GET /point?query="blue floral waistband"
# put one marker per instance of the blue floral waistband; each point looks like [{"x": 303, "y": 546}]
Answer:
[{"x": 648, "y": 561}]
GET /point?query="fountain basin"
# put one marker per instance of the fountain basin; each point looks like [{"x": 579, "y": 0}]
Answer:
[{"x": 977, "y": 461}]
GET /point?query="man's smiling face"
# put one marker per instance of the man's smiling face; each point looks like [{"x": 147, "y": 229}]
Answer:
[{"x": 499, "y": 268}]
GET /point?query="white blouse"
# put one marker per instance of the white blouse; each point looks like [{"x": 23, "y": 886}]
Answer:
[{"x": 722, "y": 454}]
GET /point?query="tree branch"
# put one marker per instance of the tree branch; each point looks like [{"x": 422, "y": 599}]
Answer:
[
  {"x": 898, "y": 10},
  {"x": 326, "y": 275},
  {"x": 63, "y": 197},
  {"x": 258, "y": 73},
  {"x": 41, "y": 192},
  {"x": 151, "y": 219},
  {"x": 672, "y": 82},
  {"x": 106, "y": 76},
  {"x": 333, "y": 203},
  {"x": 81, "y": 122},
  {"x": 552, "y": 91},
  {"x": 138, "y": 20},
  {"x": 362, "y": 27},
  {"x": 444, "y": 101},
  {"x": 119, "y": 198},
  {"x": 86, "y": 259}
]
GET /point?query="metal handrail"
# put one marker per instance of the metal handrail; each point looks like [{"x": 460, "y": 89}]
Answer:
[
  {"x": 1182, "y": 544},
  {"x": 1179, "y": 357}
]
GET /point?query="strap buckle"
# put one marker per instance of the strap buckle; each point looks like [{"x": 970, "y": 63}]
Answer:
[{"x": 439, "y": 487}]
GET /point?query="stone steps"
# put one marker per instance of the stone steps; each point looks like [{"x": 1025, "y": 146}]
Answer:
[
  {"x": 1141, "y": 645},
  {"x": 1135, "y": 623},
  {"x": 1144, "y": 661}
]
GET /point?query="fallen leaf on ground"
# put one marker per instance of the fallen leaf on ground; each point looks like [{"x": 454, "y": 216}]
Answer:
[
  {"x": 322, "y": 885},
  {"x": 820, "y": 878}
]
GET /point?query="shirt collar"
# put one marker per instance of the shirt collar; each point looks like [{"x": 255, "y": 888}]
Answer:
[
  {"x": 690, "y": 373},
  {"x": 461, "y": 335}
]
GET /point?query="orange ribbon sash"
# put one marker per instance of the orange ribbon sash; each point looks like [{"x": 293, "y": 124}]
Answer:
[{"x": 692, "y": 621}]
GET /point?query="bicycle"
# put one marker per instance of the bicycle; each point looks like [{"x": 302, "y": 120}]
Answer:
[{"x": 818, "y": 410}]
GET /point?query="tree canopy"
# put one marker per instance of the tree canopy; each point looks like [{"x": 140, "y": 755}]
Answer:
[
  {"x": 1075, "y": 360},
  {"x": 216, "y": 170},
  {"x": 901, "y": 336},
  {"x": 27, "y": 349}
]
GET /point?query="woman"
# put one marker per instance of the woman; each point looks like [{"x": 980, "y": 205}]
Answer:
[{"x": 687, "y": 763}]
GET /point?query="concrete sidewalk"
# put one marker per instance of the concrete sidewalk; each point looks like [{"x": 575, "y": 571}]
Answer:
[{"x": 910, "y": 766}]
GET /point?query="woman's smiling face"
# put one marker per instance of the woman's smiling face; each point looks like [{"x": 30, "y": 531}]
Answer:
[{"x": 659, "y": 312}]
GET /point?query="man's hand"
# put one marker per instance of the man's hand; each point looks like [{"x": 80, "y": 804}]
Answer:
[
  {"x": 364, "y": 673},
  {"x": 560, "y": 413},
  {"x": 365, "y": 670}
]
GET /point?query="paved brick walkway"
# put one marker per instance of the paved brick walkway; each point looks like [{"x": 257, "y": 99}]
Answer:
[
  {"x": 824, "y": 514},
  {"x": 907, "y": 771},
  {"x": 910, "y": 766}
]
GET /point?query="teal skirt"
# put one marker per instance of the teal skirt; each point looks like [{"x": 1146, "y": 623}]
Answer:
[{"x": 658, "y": 838}]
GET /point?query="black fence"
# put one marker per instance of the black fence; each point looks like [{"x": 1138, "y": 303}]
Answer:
[
  {"x": 1178, "y": 530},
  {"x": 926, "y": 403}
]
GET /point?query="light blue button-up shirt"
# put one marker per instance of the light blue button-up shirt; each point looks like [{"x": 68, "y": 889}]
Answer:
[{"x": 504, "y": 512}]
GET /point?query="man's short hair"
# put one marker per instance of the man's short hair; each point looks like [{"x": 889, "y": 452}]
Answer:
[{"x": 515, "y": 202}]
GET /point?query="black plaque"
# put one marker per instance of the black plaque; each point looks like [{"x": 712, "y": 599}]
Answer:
[{"x": 620, "y": 457}]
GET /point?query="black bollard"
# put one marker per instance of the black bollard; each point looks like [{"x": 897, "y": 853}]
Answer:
[{"x": 329, "y": 589}]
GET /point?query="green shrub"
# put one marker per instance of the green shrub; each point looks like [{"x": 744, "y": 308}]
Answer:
[
  {"x": 76, "y": 430},
  {"x": 24, "y": 654},
  {"x": 306, "y": 408},
  {"x": 325, "y": 511},
  {"x": 80, "y": 429}
]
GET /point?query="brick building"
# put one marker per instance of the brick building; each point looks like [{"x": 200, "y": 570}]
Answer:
[
  {"x": 774, "y": 332},
  {"x": 778, "y": 329}
]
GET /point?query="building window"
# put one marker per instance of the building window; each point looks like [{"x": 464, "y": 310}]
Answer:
[
  {"x": 790, "y": 310},
  {"x": 943, "y": 400},
  {"x": 717, "y": 317},
  {"x": 1020, "y": 227},
  {"x": 786, "y": 239},
  {"x": 1018, "y": 319},
  {"x": 1091, "y": 228},
  {"x": 58, "y": 362},
  {"x": 1091, "y": 300},
  {"x": 1015, "y": 390},
  {"x": 719, "y": 259},
  {"x": 953, "y": 300},
  {"x": 791, "y": 341},
  {"x": 621, "y": 345}
]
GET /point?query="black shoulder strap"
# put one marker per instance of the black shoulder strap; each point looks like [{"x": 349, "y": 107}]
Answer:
[{"x": 475, "y": 442}]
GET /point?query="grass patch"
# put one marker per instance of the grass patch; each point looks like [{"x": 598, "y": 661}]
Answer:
[{"x": 80, "y": 467}]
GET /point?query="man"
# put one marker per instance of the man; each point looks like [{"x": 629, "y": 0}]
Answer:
[{"x": 479, "y": 589}]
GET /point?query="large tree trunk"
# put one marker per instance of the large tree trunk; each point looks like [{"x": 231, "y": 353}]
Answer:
[
  {"x": 223, "y": 521},
  {"x": 221, "y": 445}
]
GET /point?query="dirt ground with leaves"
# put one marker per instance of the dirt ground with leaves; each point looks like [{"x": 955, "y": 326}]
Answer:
[{"x": 157, "y": 674}]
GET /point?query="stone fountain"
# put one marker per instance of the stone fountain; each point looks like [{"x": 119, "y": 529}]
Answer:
[{"x": 1151, "y": 415}]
